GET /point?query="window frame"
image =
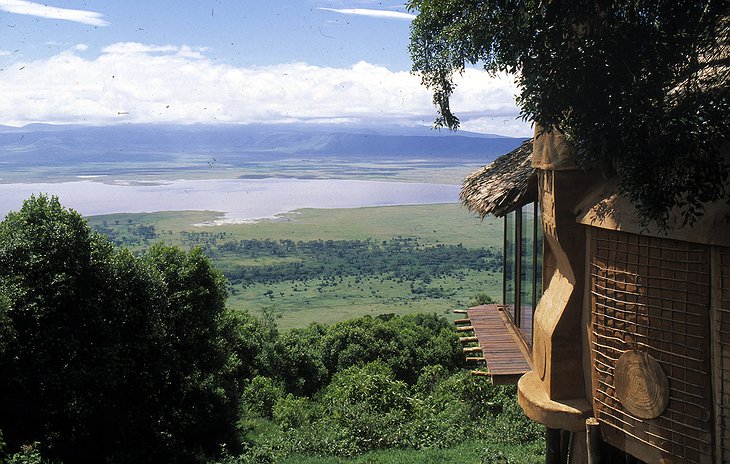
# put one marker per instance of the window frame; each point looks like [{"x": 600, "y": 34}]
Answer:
[{"x": 514, "y": 311}]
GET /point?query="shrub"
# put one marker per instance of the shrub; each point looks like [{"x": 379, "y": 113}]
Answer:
[
  {"x": 260, "y": 395},
  {"x": 110, "y": 356}
]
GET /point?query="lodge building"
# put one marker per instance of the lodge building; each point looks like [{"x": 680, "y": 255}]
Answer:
[{"x": 617, "y": 335}]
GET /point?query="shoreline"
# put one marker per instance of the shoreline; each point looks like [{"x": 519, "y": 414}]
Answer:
[{"x": 239, "y": 200}]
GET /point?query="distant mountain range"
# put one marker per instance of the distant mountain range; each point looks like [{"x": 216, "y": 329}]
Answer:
[{"x": 42, "y": 142}]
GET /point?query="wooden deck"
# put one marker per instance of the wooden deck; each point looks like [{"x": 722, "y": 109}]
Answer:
[{"x": 503, "y": 348}]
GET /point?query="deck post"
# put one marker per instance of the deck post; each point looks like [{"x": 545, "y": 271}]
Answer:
[
  {"x": 552, "y": 445},
  {"x": 593, "y": 441}
]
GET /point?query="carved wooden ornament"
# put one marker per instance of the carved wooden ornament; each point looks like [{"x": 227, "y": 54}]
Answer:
[{"x": 641, "y": 385}]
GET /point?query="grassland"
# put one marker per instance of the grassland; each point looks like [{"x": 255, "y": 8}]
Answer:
[
  {"x": 445, "y": 223},
  {"x": 299, "y": 302},
  {"x": 468, "y": 452}
]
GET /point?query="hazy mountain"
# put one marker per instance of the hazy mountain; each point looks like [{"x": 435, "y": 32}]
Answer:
[{"x": 43, "y": 142}]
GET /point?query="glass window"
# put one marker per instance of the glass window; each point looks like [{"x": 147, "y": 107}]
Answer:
[
  {"x": 527, "y": 271},
  {"x": 522, "y": 276},
  {"x": 509, "y": 262}
]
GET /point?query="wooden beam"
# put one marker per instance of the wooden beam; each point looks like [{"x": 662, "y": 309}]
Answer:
[
  {"x": 468, "y": 339},
  {"x": 459, "y": 311},
  {"x": 462, "y": 321},
  {"x": 481, "y": 373},
  {"x": 465, "y": 328},
  {"x": 505, "y": 379},
  {"x": 474, "y": 359},
  {"x": 472, "y": 349}
]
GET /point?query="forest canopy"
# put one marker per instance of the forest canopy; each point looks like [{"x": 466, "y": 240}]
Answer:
[
  {"x": 101, "y": 348},
  {"x": 638, "y": 87},
  {"x": 110, "y": 356}
]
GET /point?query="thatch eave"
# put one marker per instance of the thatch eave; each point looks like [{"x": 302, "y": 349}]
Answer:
[{"x": 503, "y": 185}]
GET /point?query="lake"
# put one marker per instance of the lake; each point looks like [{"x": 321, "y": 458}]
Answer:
[{"x": 241, "y": 200}]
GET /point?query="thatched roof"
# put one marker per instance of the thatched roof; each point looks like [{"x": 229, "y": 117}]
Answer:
[{"x": 503, "y": 185}]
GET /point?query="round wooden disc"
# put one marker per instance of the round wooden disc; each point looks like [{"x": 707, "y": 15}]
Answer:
[{"x": 641, "y": 385}]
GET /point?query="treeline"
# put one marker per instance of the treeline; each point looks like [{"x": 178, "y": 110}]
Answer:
[
  {"x": 401, "y": 259},
  {"x": 128, "y": 233}
]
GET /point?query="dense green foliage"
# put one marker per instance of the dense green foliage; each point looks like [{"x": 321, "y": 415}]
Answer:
[
  {"x": 367, "y": 408},
  {"x": 639, "y": 86},
  {"x": 374, "y": 383},
  {"x": 110, "y": 356}
]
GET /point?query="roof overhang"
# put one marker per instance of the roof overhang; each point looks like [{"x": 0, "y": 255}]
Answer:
[{"x": 503, "y": 185}]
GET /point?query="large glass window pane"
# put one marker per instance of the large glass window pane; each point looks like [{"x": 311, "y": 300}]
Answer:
[
  {"x": 509, "y": 262},
  {"x": 527, "y": 270}
]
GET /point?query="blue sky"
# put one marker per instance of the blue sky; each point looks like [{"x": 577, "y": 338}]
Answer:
[{"x": 226, "y": 61}]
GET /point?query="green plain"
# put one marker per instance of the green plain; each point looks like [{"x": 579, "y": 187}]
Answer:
[
  {"x": 299, "y": 303},
  {"x": 448, "y": 223}
]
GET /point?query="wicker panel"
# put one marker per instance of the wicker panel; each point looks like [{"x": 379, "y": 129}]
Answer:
[
  {"x": 722, "y": 359},
  {"x": 653, "y": 295}
]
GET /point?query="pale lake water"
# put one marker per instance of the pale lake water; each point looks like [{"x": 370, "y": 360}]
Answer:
[{"x": 241, "y": 200}]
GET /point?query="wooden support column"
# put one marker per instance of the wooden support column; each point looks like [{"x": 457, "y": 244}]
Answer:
[
  {"x": 593, "y": 441},
  {"x": 565, "y": 439},
  {"x": 552, "y": 445}
]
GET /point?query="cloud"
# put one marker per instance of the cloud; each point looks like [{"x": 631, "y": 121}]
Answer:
[
  {"x": 142, "y": 83},
  {"x": 44, "y": 11},
  {"x": 372, "y": 13}
]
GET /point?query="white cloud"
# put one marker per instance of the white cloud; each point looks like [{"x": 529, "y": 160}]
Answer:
[
  {"x": 509, "y": 125},
  {"x": 122, "y": 48},
  {"x": 133, "y": 82},
  {"x": 24, "y": 7},
  {"x": 372, "y": 13}
]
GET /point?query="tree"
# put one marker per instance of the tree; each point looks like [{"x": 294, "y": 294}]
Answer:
[
  {"x": 637, "y": 86},
  {"x": 107, "y": 356}
]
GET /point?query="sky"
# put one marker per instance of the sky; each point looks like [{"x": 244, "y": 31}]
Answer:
[{"x": 227, "y": 61}]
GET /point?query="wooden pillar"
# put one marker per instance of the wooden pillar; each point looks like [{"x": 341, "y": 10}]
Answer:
[
  {"x": 593, "y": 441},
  {"x": 552, "y": 445},
  {"x": 565, "y": 439}
]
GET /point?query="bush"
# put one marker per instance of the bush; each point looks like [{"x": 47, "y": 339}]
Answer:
[
  {"x": 406, "y": 344},
  {"x": 480, "y": 299},
  {"x": 110, "y": 356},
  {"x": 260, "y": 395},
  {"x": 292, "y": 412}
]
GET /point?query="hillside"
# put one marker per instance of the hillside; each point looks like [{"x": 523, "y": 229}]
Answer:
[{"x": 145, "y": 142}]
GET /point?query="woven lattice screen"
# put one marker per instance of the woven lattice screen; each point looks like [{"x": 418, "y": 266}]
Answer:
[
  {"x": 652, "y": 295},
  {"x": 722, "y": 351}
]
